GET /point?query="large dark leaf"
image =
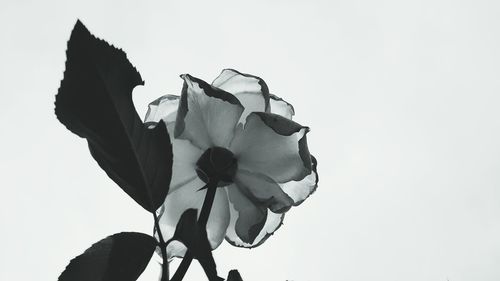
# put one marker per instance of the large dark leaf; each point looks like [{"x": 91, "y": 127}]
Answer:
[
  {"x": 95, "y": 102},
  {"x": 122, "y": 256},
  {"x": 194, "y": 237}
]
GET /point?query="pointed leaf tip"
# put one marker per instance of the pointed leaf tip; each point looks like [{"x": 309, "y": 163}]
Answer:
[
  {"x": 122, "y": 256},
  {"x": 94, "y": 101}
]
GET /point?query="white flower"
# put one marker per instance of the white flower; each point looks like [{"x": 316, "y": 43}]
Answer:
[{"x": 273, "y": 169}]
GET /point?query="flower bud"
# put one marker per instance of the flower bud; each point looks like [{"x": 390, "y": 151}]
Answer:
[{"x": 217, "y": 163}]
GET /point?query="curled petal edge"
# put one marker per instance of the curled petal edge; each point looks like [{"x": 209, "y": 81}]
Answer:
[
  {"x": 264, "y": 89},
  {"x": 304, "y": 183},
  {"x": 213, "y": 94},
  {"x": 276, "y": 122},
  {"x": 287, "y": 109},
  {"x": 262, "y": 240}
]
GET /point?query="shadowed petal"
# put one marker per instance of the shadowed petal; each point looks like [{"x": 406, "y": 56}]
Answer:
[
  {"x": 264, "y": 190},
  {"x": 274, "y": 146},
  {"x": 185, "y": 154},
  {"x": 184, "y": 164},
  {"x": 247, "y": 218},
  {"x": 250, "y": 90},
  {"x": 207, "y": 116},
  {"x": 175, "y": 249},
  {"x": 164, "y": 107},
  {"x": 189, "y": 196},
  {"x": 273, "y": 222},
  {"x": 281, "y": 107},
  {"x": 300, "y": 190}
]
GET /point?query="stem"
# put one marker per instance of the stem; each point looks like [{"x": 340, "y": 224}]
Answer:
[
  {"x": 207, "y": 203},
  {"x": 202, "y": 222},
  {"x": 163, "y": 248}
]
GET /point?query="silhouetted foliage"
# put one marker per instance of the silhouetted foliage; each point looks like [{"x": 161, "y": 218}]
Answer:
[
  {"x": 194, "y": 237},
  {"x": 95, "y": 102},
  {"x": 122, "y": 256}
]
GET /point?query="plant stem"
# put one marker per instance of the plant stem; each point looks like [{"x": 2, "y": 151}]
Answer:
[
  {"x": 163, "y": 248},
  {"x": 202, "y": 222},
  {"x": 207, "y": 203}
]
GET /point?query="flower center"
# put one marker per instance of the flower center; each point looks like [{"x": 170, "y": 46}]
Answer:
[{"x": 217, "y": 163}]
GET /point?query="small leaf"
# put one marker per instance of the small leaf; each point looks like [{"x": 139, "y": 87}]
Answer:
[
  {"x": 122, "y": 256},
  {"x": 195, "y": 239},
  {"x": 95, "y": 102},
  {"x": 234, "y": 275}
]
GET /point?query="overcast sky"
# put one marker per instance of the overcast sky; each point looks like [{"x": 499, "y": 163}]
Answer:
[{"x": 402, "y": 98}]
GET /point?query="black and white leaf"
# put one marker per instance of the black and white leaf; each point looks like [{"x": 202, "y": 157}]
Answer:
[
  {"x": 94, "y": 101},
  {"x": 122, "y": 256}
]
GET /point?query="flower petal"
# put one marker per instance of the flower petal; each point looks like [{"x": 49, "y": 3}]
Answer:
[
  {"x": 175, "y": 249},
  {"x": 247, "y": 218},
  {"x": 185, "y": 153},
  {"x": 207, "y": 116},
  {"x": 274, "y": 146},
  {"x": 263, "y": 190},
  {"x": 281, "y": 107},
  {"x": 190, "y": 196},
  {"x": 164, "y": 107},
  {"x": 250, "y": 90},
  {"x": 184, "y": 162},
  {"x": 300, "y": 190},
  {"x": 273, "y": 222}
]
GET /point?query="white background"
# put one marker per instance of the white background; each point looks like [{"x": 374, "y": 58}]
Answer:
[{"x": 402, "y": 98}]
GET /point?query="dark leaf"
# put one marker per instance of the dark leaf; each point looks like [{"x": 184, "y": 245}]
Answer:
[
  {"x": 234, "y": 275},
  {"x": 195, "y": 239},
  {"x": 95, "y": 102},
  {"x": 122, "y": 256}
]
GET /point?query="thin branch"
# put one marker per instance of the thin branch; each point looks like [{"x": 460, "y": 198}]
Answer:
[{"x": 163, "y": 248}]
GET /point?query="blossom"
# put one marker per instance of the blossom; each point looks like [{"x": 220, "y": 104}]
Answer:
[{"x": 267, "y": 164}]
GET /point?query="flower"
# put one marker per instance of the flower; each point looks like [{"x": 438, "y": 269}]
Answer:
[{"x": 265, "y": 158}]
